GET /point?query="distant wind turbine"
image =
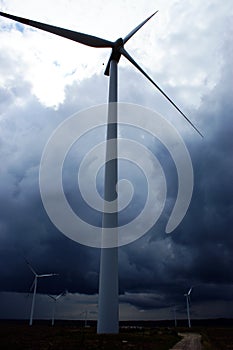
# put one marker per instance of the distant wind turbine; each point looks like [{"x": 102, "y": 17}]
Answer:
[
  {"x": 35, "y": 288},
  {"x": 55, "y": 299},
  {"x": 108, "y": 314},
  {"x": 85, "y": 313},
  {"x": 187, "y": 295},
  {"x": 175, "y": 319}
]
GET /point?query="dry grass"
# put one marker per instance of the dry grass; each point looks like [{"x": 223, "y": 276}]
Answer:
[
  {"x": 217, "y": 338},
  {"x": 44, "y": 337},
  {"x": 70, "y": 335}
]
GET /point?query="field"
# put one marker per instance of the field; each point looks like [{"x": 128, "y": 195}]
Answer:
[
  {"x": 60, "y": 337},
  {"x": 216, "y": 334},
  {"x": 217, "y": 338},
  {"x": 73, "y": 335}
]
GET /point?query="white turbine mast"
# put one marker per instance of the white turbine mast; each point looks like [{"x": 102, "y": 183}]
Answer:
[
  {"x": 108, "y": 313},
  {"x": 34, "y": 284},
  {"x": 85, "y": 313},
  {"x": 187, "y": 295}
]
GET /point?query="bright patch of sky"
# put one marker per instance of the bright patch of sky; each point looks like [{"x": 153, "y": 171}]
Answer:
[{"x": 180, "y": 46}]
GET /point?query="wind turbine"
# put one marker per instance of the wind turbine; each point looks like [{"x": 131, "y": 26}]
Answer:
[
  {"x": 34, "y": 283},
  {"x": 187, "y": 295},
  {"x": 85, "y": 313},
  {"x": 55, "y": 299},
  {"x": 108, "y": 315},
  {"x": 175, "y": 319}
]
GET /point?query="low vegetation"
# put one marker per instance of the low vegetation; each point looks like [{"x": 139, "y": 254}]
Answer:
[
  {"x": 72, "y": 335},
  {"x": 60, "y": 337}
]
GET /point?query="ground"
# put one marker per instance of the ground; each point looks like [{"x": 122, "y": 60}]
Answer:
[
  {"x": 190, "y": 341},
  {"x": 73, "y": 335}
]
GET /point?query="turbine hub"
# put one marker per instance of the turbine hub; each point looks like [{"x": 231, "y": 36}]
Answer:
[
  {"x": 116, "y": 50},
  {"x": 118, "y": 43}
]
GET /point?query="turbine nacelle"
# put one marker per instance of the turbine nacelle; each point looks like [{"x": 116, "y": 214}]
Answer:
[
  {"x": 118, "y": 43},
  {"x": 115, "y": 55}
]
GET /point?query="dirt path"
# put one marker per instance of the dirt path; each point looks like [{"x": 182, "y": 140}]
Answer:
[{"x": 190, "y": 341}]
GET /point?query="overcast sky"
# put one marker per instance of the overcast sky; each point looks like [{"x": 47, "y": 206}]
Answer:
[{"x": 187, "y": 49}]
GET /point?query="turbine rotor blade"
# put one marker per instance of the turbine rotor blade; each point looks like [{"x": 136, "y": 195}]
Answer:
[
  {"x": 33, "y": 283},
  {"x": 107, "y": 70},
  {"x": 47, "y": 275},
  {"x": 137, "y": 28},
  {"x": 126, "y": 55},
  {"x": 81, "y": 38},
  {"x": 30, "y": 267},
  {"x": 55, "y": 298},
  {"x": 190, "y": 290},
  {"x": 60, "y": 295}
]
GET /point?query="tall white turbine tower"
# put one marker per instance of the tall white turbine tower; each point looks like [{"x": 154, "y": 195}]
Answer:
[
  {"x": 55, "y": 299},
  {"x": 187, "y": 295},
  {"x": 108, "y": 321},
  {"x": 35, "y": 288}
]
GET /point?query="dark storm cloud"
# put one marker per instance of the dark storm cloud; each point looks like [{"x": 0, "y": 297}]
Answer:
[
  {"x": 199, "y": 252},
  {"x": 26, "y": 230}
]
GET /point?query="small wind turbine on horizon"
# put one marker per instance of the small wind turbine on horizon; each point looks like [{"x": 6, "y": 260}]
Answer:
[
  {"x": 85, "y": 313},
  {"x": 175, "y": 318},
  {"x": 55, "y": 299},
  {"x": 34, "y": 284},
  {"x": 187, "y": 295},
  {"x": 108, "y": 313}
]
